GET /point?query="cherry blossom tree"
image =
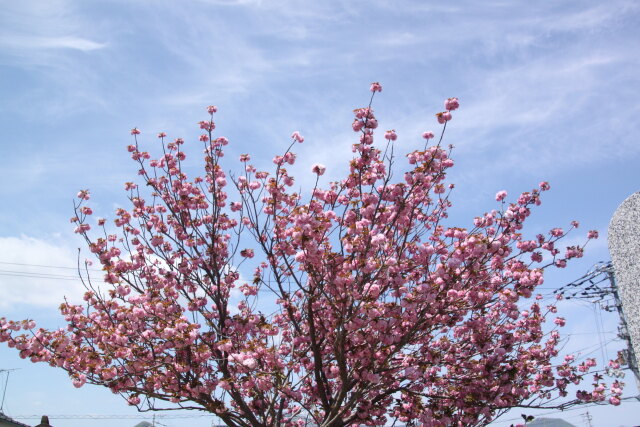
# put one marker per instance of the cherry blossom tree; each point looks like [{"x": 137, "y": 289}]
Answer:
[{"x": 361, "y": 305}]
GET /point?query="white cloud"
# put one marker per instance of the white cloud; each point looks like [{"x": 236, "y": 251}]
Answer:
[
  {"x": 24, "y": 280},
  {"x": 598, "y": 16},
  {"x": 51, "y": 25},
  {"x": 65, "y": 42}
]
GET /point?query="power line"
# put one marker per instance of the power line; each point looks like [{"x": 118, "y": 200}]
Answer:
[
  {"x": 35, "y": 273},
  {"x": 53, "y": 276},
  {"x": 45, "y": 266},
  {"x": 42, "y": 276}
]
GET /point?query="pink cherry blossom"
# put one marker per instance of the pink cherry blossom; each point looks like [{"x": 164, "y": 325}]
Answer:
[
  {"x": 250, "y": 363},
  {"x": 318, "y": 169},
  {"x": 296, "y": 136},
  {"x": 451, "y": 104},
  {"x": 247, "y": 253},
  {"x": 443, "y": 117},
  {"x": 356, "y": 302},
  {"x": 133, "y": 400},
  {"x": 391, "y": 135},
  {"x": 83, "y": 195}
]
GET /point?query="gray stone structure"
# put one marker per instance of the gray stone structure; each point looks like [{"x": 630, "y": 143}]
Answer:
[{"x": 624, "y": 246}]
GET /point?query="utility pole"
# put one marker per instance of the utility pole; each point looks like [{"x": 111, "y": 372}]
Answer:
[{"x": 4, "y": 391}]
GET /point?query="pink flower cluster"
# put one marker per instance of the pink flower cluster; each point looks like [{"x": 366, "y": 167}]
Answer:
[{"x": 383, "y": 311}]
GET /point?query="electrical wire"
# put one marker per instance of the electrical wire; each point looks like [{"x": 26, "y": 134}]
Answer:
[
  {"x": 40, "y": 275},
  {"x": 601, "y": 330},
  {"x": 595, "y": 316},
  {"x": 45, "y": 266}
]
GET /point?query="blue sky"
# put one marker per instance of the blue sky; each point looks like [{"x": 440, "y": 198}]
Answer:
[{"x": 548, "y": 91}]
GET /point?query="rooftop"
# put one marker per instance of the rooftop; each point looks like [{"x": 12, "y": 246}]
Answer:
[{"x": 8, "y": 419}]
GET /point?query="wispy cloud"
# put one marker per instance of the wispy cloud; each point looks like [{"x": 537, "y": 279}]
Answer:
[
  {"x": 51, "y": 25},
  {"x": 36, "y": 272},
  {"x": 536, "y": 82},
  {"x": 28, "y": 42}
]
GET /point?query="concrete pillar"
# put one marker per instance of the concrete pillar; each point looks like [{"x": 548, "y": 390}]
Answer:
[{"x": 624, "y": 246}]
